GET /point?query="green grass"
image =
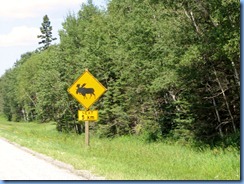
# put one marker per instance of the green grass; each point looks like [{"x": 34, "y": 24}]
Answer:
[{"x": 125, "y": 158}]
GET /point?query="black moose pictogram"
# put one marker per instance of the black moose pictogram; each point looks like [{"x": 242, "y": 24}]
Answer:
[{"x": 83, "y": 91}]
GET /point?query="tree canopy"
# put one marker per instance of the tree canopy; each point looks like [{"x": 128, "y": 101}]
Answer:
[{"x": 172, "y": 70}]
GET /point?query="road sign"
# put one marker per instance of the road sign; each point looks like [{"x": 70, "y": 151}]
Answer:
[
  {"x": 86, "y": 89},
  {"x": 90, "y": 115}
]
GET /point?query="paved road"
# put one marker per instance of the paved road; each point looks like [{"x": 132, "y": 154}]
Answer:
[{"x": 17, "y": 164}]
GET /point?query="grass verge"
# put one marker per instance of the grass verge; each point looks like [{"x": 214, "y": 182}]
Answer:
[{"x": 125, "y": 158}]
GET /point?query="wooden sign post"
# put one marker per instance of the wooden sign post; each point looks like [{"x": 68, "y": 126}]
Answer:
[{"x": 87, "y": 136}]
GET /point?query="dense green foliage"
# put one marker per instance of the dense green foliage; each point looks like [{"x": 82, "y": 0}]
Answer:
[{"x": 171, "y": 69}]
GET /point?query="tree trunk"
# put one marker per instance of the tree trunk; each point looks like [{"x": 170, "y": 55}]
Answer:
[
  {"x": 218, "y": 117},
  {"x": 236, "y": 73},
  {"x": 225, "y": 99}
]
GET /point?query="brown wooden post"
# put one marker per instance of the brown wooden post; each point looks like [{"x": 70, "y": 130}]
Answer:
[{"x": 87, "y": 141}]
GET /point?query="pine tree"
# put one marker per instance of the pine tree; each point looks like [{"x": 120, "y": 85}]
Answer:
[{"x": 46, "y": 35}]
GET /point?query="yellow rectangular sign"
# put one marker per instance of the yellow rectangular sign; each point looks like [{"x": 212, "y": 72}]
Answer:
[{"x": 90, "y": 115}]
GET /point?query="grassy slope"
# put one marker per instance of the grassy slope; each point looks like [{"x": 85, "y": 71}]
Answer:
[{"x": 126, "y": 157}]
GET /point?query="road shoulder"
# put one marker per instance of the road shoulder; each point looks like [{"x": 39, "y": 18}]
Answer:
[{"x": 83, "y": 173}]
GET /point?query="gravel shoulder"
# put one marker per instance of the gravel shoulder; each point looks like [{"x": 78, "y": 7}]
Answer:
[{"x": 21, "y": 163}]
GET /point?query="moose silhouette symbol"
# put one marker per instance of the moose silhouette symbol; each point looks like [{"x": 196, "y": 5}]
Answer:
[{"x": 83, "y": 91}]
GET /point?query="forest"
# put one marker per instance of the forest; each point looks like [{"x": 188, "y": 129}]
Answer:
[{"x": 171, "y": 69}]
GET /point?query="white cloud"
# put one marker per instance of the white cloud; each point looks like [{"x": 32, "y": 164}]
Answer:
[
  {"x": 30, "y": 8},
  {"x": 18, "y": 12},
  {"x": 20, "y": 36}
]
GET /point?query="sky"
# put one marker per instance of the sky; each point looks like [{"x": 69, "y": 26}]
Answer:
[{"x": 20, "y": 22}]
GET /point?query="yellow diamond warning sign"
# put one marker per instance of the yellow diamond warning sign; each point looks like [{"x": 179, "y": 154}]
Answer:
[{"x": 86, "y": 89}]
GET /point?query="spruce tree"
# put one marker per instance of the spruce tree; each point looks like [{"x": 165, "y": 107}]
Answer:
[{"x": 46, "y": 36}]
